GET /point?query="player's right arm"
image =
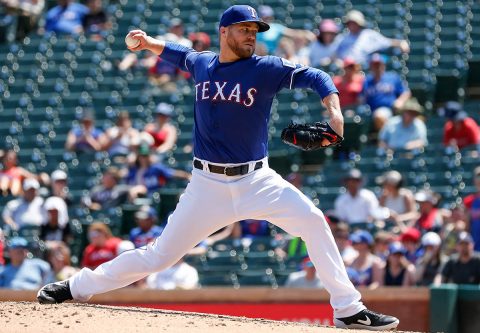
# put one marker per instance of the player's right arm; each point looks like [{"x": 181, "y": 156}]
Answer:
[
  {"x": 146, "y": 42},
  {"x": 178, "y": 55}
]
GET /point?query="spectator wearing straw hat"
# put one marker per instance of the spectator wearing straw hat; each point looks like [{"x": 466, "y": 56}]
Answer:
[
  {"x": 405, "y": 131},
  {"x": 359, "y": 41}
]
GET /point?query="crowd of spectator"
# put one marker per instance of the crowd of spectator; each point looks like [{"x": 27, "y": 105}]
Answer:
[{"x": 396, "y": 238}]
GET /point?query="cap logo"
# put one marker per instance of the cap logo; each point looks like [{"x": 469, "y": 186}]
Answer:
[{"x": 253, "y": 11}]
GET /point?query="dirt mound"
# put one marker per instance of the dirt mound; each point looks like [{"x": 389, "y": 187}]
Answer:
[{"x": 28, "y": 317}]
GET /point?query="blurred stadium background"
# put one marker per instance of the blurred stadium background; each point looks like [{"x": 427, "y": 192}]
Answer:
[{"x": 47, "y": 80}]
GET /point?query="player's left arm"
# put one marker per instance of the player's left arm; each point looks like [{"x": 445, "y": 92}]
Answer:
[
  {"x": 332, "y": 103},
  {"x": 322, "y": 84}
]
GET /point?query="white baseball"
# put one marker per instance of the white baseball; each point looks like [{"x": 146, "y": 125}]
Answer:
[{"x": 131, "y": 42}]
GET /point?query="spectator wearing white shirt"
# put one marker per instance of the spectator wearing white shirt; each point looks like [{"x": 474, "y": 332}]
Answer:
[
  {"x": 359, "y": 42},
  {"x": 357, "y": 205},
  {"x": 27, "y": 210},
  {"x": 179, "y": 276},
  {"x": 321, "y": 51}
]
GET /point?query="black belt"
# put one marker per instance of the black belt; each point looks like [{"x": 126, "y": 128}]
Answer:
[{"x": 229, "y": 171}]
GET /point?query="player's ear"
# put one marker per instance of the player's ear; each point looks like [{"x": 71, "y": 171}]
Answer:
[{"x": 223, "y": 31}]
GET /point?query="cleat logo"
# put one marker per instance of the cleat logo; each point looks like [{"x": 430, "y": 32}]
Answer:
[{"x": 366, "y": 322}]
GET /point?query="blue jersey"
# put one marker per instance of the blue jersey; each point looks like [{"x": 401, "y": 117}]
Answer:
[
  {"x": 233, "y": 100},
  {"x": 141, "y": 238},
  {"x": 153, "y": 178},
  {"x": 384, "y": 91}
]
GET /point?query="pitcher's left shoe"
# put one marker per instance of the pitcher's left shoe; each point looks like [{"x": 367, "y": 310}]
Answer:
[
  {"x": 52, "y": 293},
  {"x": 368, "y": 320}
]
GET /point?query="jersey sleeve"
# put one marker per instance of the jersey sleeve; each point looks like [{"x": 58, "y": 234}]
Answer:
[
  {"x": 180, "y": 56},
  {"x": 400, "y": 86},
  {"x": 298, "y": 76}
]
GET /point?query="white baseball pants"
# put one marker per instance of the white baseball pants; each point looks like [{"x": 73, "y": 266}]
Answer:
[{"x": 212, "y": 201}]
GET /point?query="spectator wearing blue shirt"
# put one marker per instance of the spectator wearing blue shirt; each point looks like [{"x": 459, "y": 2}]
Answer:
[
  {"x": 23, "y": 273},
  {"x": 271, "y": 38},
  {"x": 251, "y": 229},
  {"x": 146, "y": 177},
  {"x": 383, "y": 91},
  {"x": 86, "y": 137},
  {"x": 359, "y": 42},
  {"x": 147, "y": 231},
  {"x": 405, "y": 131},
  {"x": 66, "y": 18}
]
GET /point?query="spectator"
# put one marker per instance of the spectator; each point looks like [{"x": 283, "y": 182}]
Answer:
[
  {"x": 271, "y": 38},
  {"x": 179, "y": 276},
  {"x": 200, "y": 41},
  {"x": 162, "y": 130},
  {"x": 147, "y": 231},
  {"x": 366, "y": 267},
  {"x": 405, "y": 131},
  {"x": 460, "y": 130},
  {"x": 321, "y": 51},
  {"x": 382, "y": 241},
  {"x": 96, "y": 20},
  {"x": 66, "y": 18},
  {"x": 251, "y": 229},
  {"x": 362, "y": 203},
  {"x": 145, "y": 177},
  {"x": 12, "y": 175},
  {"x": 429, "y": 264},
  {"x": 59, "y": 188},
  {"x": 410, "y": 239},
  {"x": 359, "y": 42},
  {"x": 384, "y": 91},
  {"x": 85, "y": 138},
  {"x": 398, "y": 199},
  {"x": 398, "y": 270},
  {"x": 455, "y": 224},
  {"x": 58, "y": 256},
  {"x": 56, "y": 226},
  {"x": 176, "y": 33},
  {"x": 121, "y": 137},
  {"x": 341, "y": 234},
  {"x": 23, "y": 273},
  {"x": 472, "y": 203},
  {"x": 102, "y": 247},
  {"x": 463, "y": 267},
  {"x": 431, "y": 217},
  {"x": 27, "y": 210},
  {"x": 109, "y": 193},
  {"x": 306, "y": 278},
  {"x": 22, "y": 15},
  {"x": 2, "y": 247},
  {"x": 350, "y": 83}
]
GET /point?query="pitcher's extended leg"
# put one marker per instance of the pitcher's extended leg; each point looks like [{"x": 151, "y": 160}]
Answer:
[
  {"x": 197, "y": 215},
  {"x": 272, "y": 198}
]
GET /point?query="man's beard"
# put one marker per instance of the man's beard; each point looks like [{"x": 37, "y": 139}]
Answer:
[{"x": 239, "y": 52}]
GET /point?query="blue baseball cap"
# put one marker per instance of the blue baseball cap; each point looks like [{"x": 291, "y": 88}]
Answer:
[
  {"x": 397, "y": 247},
  {"x": 242, "y": 13},
  {"x": 17, "y": 243},
  {"x": 361, "y": 236}
]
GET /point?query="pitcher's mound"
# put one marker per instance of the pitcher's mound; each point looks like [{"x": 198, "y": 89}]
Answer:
[{"x": 27, "y": 317}]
